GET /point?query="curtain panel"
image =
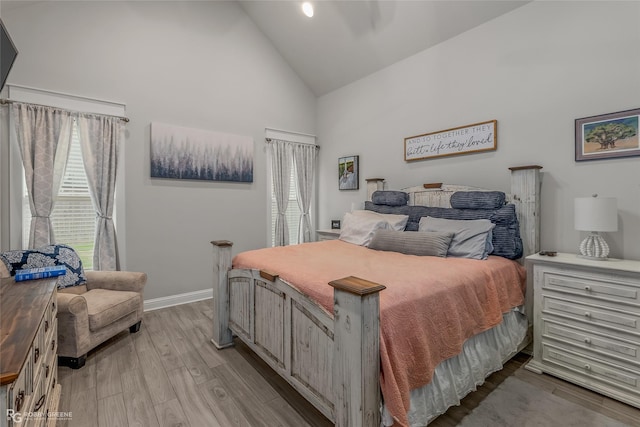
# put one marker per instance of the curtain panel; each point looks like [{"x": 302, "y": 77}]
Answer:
[
  {"x": 44, "y": 136},
  {"x": 280, "y": 154},
  {"x": 100, "y": 138},
  {"x": 304, "y": 156}
]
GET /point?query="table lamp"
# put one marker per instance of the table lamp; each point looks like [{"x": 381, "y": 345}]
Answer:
[{"x": 595, "y": 214}]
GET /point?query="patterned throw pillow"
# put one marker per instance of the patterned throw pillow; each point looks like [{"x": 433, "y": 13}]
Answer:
[{"x": 45, "y": 256}]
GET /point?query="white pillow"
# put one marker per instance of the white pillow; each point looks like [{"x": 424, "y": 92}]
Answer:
[
  {"x": 359, "y": 229},
  {"x": 470, "y": 238},
  {"x": 396, "y": 222}
]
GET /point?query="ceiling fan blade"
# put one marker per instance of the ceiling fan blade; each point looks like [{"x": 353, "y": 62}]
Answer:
[{"x": 363, "y": 17}]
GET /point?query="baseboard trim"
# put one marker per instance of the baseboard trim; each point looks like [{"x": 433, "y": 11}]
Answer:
[{"x": 170, "y": 301}]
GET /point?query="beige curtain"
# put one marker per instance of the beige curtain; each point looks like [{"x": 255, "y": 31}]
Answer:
[
  {"x": 43, "y": 135},
  {"x": 304, "y": 156},
  {"x": 100, "y": 138},
  {"x": 280, "y": 154}
]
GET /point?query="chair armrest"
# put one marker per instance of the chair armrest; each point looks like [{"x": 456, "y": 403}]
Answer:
[
  {"x": 71, "y": 303},
  {"x": 116, "y": 280}
]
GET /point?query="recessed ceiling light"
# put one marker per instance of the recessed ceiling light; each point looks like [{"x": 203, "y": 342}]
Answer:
[{"x": 307, "y": 8}]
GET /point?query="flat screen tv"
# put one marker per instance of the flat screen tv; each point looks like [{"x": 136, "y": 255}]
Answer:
[{"x": 8, "y": 53}]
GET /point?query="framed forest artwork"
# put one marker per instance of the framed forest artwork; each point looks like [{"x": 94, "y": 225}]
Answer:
[{"x": 185, "y": 153}]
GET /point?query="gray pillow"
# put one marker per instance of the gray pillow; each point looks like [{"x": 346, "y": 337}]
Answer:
[
  {"x": 477, "y": 199},
  {"x": 470, "y": 236},
  {"x": 419, "y": 243},
  {"x": 390, "y": 198}
]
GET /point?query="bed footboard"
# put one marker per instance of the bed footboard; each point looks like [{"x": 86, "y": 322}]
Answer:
[
  {"x": 332, "y": 359},
  {"x": 222, "y": 336},
  {"x": 356, "y": 309}
]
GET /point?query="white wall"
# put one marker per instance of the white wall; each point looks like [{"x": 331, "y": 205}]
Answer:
[
  {"x": 194, "y": 64},
  {"x": 535, "y": 70}
]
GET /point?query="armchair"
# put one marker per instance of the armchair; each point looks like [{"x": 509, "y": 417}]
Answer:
[
  {"x": 93, "y": 306},
  {"x": 90, "y": 314}
]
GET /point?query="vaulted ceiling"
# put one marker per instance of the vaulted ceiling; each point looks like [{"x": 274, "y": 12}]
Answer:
[{"x": 347, "y": 40}]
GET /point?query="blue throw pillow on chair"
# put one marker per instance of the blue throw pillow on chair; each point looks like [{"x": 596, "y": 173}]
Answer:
[{"x": 46, "y": 256}]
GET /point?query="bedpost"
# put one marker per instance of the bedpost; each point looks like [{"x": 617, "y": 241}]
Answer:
[
  {"x": 356, "y": 357},
  {"x": 525, "y": 190},
  {"x": 374, "y": 184},
  {"x": 222, "y": 336}
]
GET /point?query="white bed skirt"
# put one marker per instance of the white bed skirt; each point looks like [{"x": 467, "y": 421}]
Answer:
[{"x": 454, "y": 378}]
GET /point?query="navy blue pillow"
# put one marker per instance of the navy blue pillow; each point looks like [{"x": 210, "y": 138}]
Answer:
[
  {"x": 46, "y": 256},
  {"x": 477, "y": 199},
  {"x": 506, "y": 234},
  {"x": 390, "y": 198}
]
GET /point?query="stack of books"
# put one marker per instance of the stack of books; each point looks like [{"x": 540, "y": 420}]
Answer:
[{"x": 40, "y": 273}]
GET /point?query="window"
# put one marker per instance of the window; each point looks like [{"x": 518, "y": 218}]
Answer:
[
  {"x": 293, "y": 210},
  {"x": 73, "y": 216},
  {"x": 304, "y": 146}
]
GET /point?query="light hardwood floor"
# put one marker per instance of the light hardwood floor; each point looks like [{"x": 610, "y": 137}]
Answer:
[{"x": 169, "y": 374}]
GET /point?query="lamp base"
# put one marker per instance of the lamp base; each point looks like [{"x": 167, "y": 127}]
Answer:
[{"x": 594, "y": 247}]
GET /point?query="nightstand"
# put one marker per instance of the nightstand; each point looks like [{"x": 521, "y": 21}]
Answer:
[
  {"x": 586, "y": 320},
  {"x": 331, "y": 234}
]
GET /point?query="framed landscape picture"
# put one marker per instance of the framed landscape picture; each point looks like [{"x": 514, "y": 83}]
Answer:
[
  {"x": 348, "y": 173},
  {"x": 608, "y": 136}
]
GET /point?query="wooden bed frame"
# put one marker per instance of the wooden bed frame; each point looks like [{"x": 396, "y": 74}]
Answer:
[{"x": 332, "y": 359}]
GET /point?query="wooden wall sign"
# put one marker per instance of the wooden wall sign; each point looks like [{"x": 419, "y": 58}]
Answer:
[{"x": 461, "y": 140}]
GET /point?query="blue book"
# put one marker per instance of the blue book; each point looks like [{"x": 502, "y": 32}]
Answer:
[{"x": 40, "y": 273}]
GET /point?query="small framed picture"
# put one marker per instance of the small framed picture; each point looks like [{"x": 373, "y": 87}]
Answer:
[
  {"x": 335, "y": 224},
  {"x": 608, "y": 136},
  {"x": 348, "y": 173}
]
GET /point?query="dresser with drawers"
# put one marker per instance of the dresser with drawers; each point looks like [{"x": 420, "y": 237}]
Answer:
[
  {"x": 29, "y": 390},
  {"x": 587, "y": 323}
]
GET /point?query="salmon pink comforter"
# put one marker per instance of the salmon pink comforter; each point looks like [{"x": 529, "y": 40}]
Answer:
[{"x": 430, "y": 308}]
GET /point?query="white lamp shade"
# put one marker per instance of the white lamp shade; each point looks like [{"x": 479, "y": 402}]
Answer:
[{"x": 596, "y": 214}]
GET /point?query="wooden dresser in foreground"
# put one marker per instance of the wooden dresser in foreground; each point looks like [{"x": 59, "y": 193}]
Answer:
[
  {"x": 29, "y": 390},
  {"x": 587, "y": 323}
]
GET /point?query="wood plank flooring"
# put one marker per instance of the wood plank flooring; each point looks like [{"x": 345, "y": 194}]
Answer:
[{"x": 169, "y": 375}]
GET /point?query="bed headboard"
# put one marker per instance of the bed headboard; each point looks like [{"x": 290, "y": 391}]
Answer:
[{"x": 525, "y": 195}]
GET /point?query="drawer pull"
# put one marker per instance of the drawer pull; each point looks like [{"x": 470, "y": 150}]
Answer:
[
  {"x": 36, "y": 355},
  {"x": 587, "y": 288},
  {"x": 46, "y": 325},
  {"x": 40, "y": 403},
  {"x": 587, "y": 367},
  {"x": 17, "y": 405},
  {"x": 587, "y": 340},
  {"x": 587, "y": 314}
]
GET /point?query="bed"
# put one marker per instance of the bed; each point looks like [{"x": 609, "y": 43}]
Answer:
[{"x": 334, "y": 329}]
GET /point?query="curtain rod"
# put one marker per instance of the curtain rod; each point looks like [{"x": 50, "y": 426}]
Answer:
[
  {"x": 268, "y": 140},
  {"x": 10, "y": 101}
]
